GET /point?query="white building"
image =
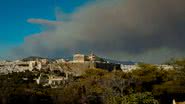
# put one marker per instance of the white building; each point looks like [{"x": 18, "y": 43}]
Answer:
[
  {"x": 127, "y": 68},
  {"x": 61, "y": 61},
  {"x": 165, "y": 67},
  {"x": 79, "y": 58},
  {"x": 20, "y": 66}
]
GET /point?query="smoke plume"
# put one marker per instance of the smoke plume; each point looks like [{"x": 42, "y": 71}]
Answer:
[{"x": 140, "y": 30}]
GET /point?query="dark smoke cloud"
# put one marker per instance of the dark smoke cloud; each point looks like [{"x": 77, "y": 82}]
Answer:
[{"x": 124, "y": 29}]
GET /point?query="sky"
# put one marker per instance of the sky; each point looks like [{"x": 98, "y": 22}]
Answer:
[
  {"x": 15, "y": 13},
  {"x": 151, "y": 31}
]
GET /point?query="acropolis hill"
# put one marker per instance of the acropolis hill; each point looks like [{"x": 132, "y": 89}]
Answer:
[{"x": 77, "y": 66}]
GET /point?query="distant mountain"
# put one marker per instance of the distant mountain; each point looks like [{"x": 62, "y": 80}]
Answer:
[
  {"x": 33, "y": 58},
  {"x": 121, "y": 62}
]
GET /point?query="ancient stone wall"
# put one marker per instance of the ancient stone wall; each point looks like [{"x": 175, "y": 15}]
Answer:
[
  {"x": 80, "y": 68},
  {"x": 77, "y": 68}
]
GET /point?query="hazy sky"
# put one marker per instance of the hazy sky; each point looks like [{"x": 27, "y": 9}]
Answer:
[
  {"x": 15, "y": 13},
  {"x": 139, "y": 30}
]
